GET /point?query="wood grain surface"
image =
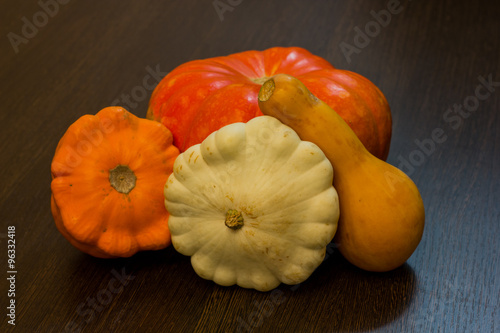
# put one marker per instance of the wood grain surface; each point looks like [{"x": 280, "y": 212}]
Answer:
[{"x": 438, "y": 64}]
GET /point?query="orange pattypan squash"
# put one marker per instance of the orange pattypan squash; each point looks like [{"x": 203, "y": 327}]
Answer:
[
  {"x": 201, "y": 96},
  {"x": 108, "y": 173}
]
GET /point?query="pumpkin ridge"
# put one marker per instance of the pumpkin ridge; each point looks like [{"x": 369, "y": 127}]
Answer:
[
  {"x": 66, "y": 234},
  {"x": 75, "y": 210},
  {"x": 365, "y": 116},
  {"x": 375, "y": 102},
  {"x": 214, "y": 115},
  {"x": 383, "y": 120},
  {"x": 224, "y": 71},
  {"x": 245, "y": 67},
  {"x": 307, "y": 63},
  {"x": 173, "y": 121},
  {"x": 151, "y": 238},
  {"x": 270, "y": 58},
  {"x": 81, "y": 230},
  {"x": 117, "y": 243},
  {"x": 241, "y": 67},
  {"x": 72, "y": 212},
  {"x": 101, "y": 218}
]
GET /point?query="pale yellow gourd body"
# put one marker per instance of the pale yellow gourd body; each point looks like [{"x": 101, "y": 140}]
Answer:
[{"x": 253, "y": 205}]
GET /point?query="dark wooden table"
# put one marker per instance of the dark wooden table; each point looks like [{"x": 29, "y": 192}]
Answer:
[{"x": 437, "y": 62}]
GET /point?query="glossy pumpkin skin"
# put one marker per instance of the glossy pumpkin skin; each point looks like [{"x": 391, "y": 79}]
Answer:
[
  {"x": 90, "y": 203},
  {"x": 201, "y": 96}
]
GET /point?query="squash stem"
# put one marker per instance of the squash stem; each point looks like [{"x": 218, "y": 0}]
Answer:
[
  {"x": 266, "y": 91},
  {"x": 122, "y": 179},
  {"x": 234, "y": 219}
]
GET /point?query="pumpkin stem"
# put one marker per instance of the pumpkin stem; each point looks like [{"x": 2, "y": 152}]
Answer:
[
  {"x": 122, "y": 179},
  {"x": 234, "y": 219}
]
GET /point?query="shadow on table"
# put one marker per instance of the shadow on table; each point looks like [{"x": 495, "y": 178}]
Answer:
[
  {"x": 337, "y": 297},
  {"x": 356, "y": 300},
  {"x": 96, "y": 291}
]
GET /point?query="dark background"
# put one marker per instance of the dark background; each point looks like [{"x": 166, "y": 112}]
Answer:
[{"x": 89, "y": 54}]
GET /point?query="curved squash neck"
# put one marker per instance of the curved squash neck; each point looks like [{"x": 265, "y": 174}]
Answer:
[
  {"x": 306, "y": 108},
  {"x": 344, "y": 147}
]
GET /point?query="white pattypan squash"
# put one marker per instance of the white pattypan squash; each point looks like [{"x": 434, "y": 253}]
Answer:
[{"x": 253, "y": 205}]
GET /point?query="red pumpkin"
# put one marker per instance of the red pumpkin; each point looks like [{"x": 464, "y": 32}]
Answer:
[{"x": 201, "y": 96}]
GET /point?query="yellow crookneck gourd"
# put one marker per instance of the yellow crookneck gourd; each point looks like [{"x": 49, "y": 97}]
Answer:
[{"x": 381, "y": 210}]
